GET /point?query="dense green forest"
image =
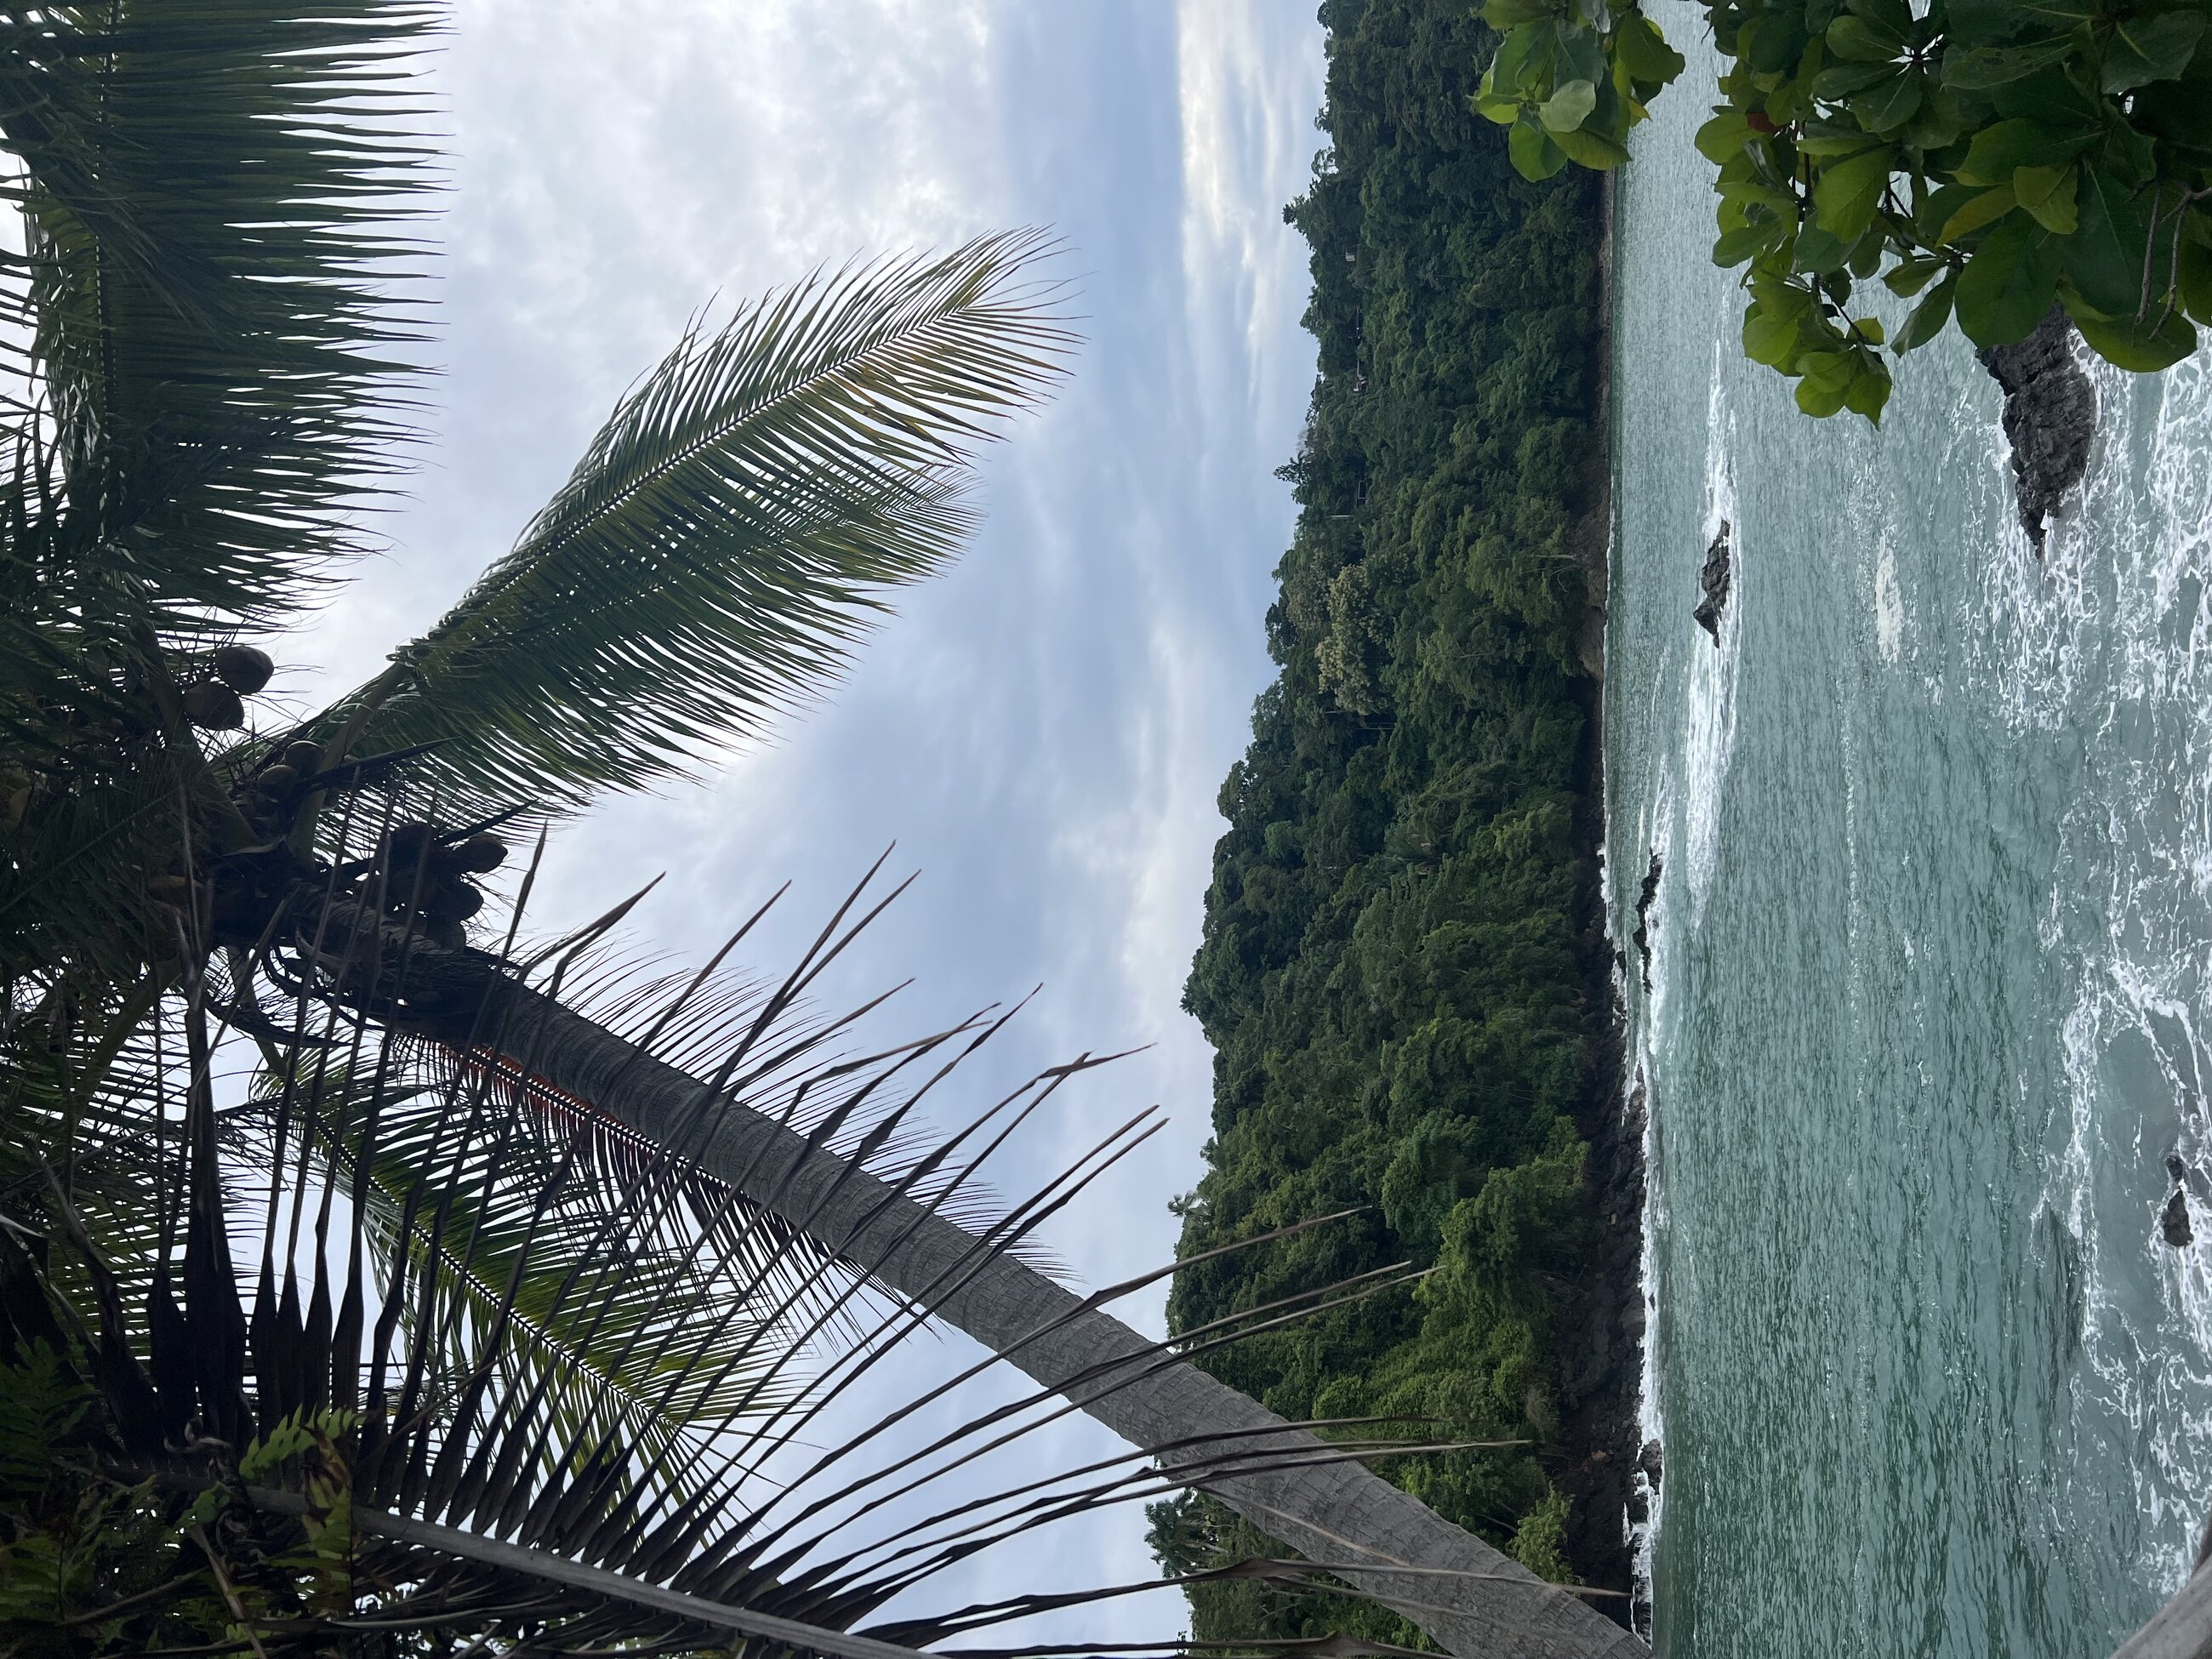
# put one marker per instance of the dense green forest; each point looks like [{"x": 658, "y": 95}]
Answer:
[{"x": 1403, "y": 971}]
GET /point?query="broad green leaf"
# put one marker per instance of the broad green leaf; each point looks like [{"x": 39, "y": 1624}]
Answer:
[
  {"x": 1776, "y": 294},
  {"x": 1985, "y": 209},
  {"x": 2196, "y": 274},
  {"x": 2047, "y": 193},
  {"x": 1569, "y": 107},
  {"x": 1868, "y": 328},
  {"x": 1841, "y": 82},
  {"x": 1868, "y": 392},
  {"x": 1826, "y": 140},
  {"x": 1983, "y": 21},
  {"x": 1895, "y": 16},
  {"x": 1829, "y": 369},
  {"x": 1747, "y": 193},
  {"x": 1934, "y": 210},
  {"x": 1794, "y": 99},
  {"x": 1523, "y": 60},
  {"x": 2104, "y": 256},
  {"x": 1752, "y": 240},
  {"x": 2138, "y": 347},
  {"x": 1908, "y": 276},
  {"x": 1943, "y": 118},
  {"x": 1777, "y": 49},
  {"x": 1886, "y": 108},
  {"x": 1819, "y": 253},
  {"x": 2050, "y": 96},
  {"x": 1865, "y": 259},
  {"x": 1640, "y": 46},
  {"x": 2131, "y": 157},
  {"x": 2142, "y": 50},
  {"x": 1827, "y": 379},
  {"x": 1581, "y": 56},
  {"x": 1723, "y": 137},
  {"x": 1531, "y": 149},
  {"x": 1928, "y": 317},
  {"x": 1856, "y": 40},
  {"x": 1848, "y": 193},
  {"x": 1993, "y": 66},
  {"x": 1999, "y": 149},
  {"x": 2173, "y": 112},
  {"x": 1591, "y": 150},
  {"x": 1768, "y": 338},
  {"x": 2008, "y": 284},
  {"x": 2057, "y": 14},
  {"x": 1504, "y": 111}
]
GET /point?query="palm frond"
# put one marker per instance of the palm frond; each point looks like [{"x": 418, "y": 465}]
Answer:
[
  {"x": 728, "y": 535},
  {"x": 548, "y": 1383},
  {"x": 212, "y": 193}
]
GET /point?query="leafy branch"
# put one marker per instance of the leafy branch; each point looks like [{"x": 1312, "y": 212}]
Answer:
[{"x": 1991, "y": 158}]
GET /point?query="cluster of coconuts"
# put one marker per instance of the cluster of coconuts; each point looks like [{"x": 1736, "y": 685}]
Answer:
[
  {"x": 268, "y": 794},
  {"x": 429, "y": 873},
  {"x": 215, "y": 703}
]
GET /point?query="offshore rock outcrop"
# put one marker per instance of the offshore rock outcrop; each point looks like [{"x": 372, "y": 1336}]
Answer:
[
  {"x": 2050, "y": 416},
  {"x": 1642, "y": 937},
  {"x": 1714, "y": 581},
  {"x": 2174, "y": 1221}
]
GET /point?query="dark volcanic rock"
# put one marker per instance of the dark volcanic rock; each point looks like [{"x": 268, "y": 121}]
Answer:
[
  {"x": 2174, "y": 1222},
  {"x": 1651, "y": 1462},
  {"x": 1714, "y": 580},
  {"x": 1601, "y": 1357},
  {"x": 1642, "y": 934},
  {"x": 2050, "y": 415}
]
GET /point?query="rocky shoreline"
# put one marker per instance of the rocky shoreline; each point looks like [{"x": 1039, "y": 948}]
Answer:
[{"x": 1600, "y": 1316}]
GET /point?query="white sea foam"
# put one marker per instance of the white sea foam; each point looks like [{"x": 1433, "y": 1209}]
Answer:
[
  {"x": 1708, "y": 733},
  {"x": 1888, "y": 604},
  {"x": 2108, "y": 638}
]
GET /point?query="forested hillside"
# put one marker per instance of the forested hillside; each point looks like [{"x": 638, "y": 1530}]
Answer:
[{"x": 1403, "y": 968}]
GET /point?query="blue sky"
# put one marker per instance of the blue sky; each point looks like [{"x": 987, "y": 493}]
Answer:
[{"x": 1043, "y": 731}]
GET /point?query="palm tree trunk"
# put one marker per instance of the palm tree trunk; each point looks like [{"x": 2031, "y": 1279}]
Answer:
[{"x": 1472, "y": 1600}]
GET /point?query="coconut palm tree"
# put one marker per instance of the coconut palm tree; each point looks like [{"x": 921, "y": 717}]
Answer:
[{"x": 534, "y": 1285}]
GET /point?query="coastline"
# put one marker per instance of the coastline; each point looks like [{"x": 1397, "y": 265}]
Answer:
[
  {"x": 1601, "y": 1321},
  {"x": 1407, "y": 971}
]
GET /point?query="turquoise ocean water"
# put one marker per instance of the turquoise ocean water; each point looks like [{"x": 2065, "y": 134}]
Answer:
[{"x": 1930, "y": 985}]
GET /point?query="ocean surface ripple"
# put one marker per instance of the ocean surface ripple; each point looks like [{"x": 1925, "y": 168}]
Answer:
[{"x": 1930, "y": 985}]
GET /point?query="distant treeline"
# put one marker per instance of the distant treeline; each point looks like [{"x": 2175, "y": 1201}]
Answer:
[{"x": 1403, "y": 967}]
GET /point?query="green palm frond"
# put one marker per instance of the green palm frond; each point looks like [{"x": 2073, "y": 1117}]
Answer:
[
  {"x": 213, "y": 194},
  {"x": 726, "y": 537}
]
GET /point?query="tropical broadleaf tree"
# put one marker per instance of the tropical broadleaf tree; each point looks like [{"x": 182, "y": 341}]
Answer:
[
  {"x": 544, "y": 1266},
  {"x": 1990, "y": 160}
]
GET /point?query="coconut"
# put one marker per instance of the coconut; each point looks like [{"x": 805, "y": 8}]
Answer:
[
  {"x": 408, "y": 842},
  {"x": 455, "y": 901},
  {"x": 479, "y": 854},
  {"x": 305, "y": 757},
  {"x": 278, "y": 780},
  {"x": 242, "y": 668},
  {"x": 213, "y": 707}
]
